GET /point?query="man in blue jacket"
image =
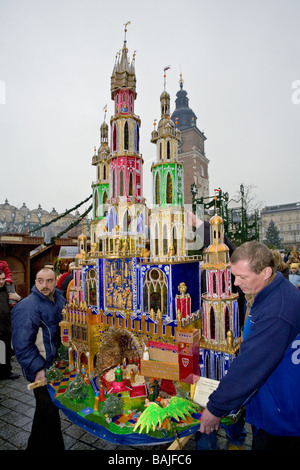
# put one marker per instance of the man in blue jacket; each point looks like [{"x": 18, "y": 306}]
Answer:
[
  {"x": 265, "y": 376},
  {"x": 36, "y": 337}
]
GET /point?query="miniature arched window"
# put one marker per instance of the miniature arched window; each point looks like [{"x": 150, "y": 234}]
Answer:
[
  {"x": 121, "y": 183},
  {"x": 114, "y": 137},
  {"x": 156, "y": 244},
  {"x": 169, "y": 189},
  {"x": 114, "y": 183},
  {"x": 83, "y": 358},
  {"x": 112, "y": 219},
  {"x": 126, "y": 136},
  {"x": 91, "y": 287},
  {"x": 214, "y": 283},
  {"x": 74, "y": 331},
  {"x": 164, "y": 109},
  {"x": 137, "y": 138},
  {"x": 226, "y": 321},
  {"x": 223, "y": 282},
  {"x": 104, "y": 172},
  {"x": 212, "y": 323},
  {"x": 130, "y": 184},
  {"x": 174, "y": 239},
  {"x": 140, "y": 223},
  {"x": 96, "y": 204},
  {"x": 104, "y": 201},
  {"x": 156, "y": 291},
  {"x": 127, "y": 221},
  {"x": 157, "y": 188},
  {"x": 217, "y": 235},
  {"x": 168, "y": 150},
  {"x": 160, "y": 150},
  {"x": 165, "y": 240}
]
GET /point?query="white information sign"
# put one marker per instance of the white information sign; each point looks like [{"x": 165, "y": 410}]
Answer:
[{"x": 204, "y": 387}]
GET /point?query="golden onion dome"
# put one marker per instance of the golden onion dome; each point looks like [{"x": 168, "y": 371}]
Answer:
[
  {"x": 217, "y": 248},
  {"x": 216, "y": 219}
]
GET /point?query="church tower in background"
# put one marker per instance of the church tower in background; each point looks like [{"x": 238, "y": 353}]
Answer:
[{"x": 191, "y": 152}]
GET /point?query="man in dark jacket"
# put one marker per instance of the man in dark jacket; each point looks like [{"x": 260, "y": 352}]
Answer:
[
  {"x": 36, "y": 337},
  {"x": 266, "y": 374},
  {"x": 5, "y": 329}
]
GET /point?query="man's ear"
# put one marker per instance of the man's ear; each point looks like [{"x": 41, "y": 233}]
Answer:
[{"x": 267, "y": 272}]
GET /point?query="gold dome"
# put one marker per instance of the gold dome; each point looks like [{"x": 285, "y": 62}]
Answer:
[
  {"x": 217, "y": 248},
  {"x": 216, "y": 219}
]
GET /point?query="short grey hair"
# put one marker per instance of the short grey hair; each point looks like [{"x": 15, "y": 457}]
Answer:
[{"x": 258, "y": 255}]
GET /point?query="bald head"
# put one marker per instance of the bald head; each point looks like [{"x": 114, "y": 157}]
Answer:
[{"x": 45, "y": 281}]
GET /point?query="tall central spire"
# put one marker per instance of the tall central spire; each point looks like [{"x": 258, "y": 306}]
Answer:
[
  {"x": 123, "y": 230},
  {"x": 123, "y": 74}
]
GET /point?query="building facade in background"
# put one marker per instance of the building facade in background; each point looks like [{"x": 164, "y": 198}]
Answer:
[
  {"x": 286, "y": 217},
  {"x": 24, "y": 220}
]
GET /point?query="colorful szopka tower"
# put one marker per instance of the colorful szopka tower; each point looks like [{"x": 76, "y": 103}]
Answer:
[
  {"x": 167, "y": 216},
  {"x": 123, "y": 230},
  {"x": 101, "y": 185},
  {"x": 220, "y": 340},
  {"x": 125, "y": 295}
]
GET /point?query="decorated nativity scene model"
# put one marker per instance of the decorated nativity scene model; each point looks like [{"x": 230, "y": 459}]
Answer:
[{"x": 136, "y": 325}]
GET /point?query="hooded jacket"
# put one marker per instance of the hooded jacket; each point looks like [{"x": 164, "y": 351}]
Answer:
[
  {"x": 266, "y": 374},
  {"x": 36, "y": 332}
]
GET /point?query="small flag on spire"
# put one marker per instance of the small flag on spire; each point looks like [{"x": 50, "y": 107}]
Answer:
[
  {"x": 105, "y": 111},
  {"x": 165, "y": 69}
]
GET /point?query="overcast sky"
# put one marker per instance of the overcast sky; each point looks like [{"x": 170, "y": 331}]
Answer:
[{"x": 239, "y": 61}]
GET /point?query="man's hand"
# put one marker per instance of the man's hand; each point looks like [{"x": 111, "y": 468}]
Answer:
[
  {"x": 40, "y": 375},
  {"x": 40, "y": 380},
  {"x": 14, "y": 296},
  {"x": 209, "y": 422}
]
